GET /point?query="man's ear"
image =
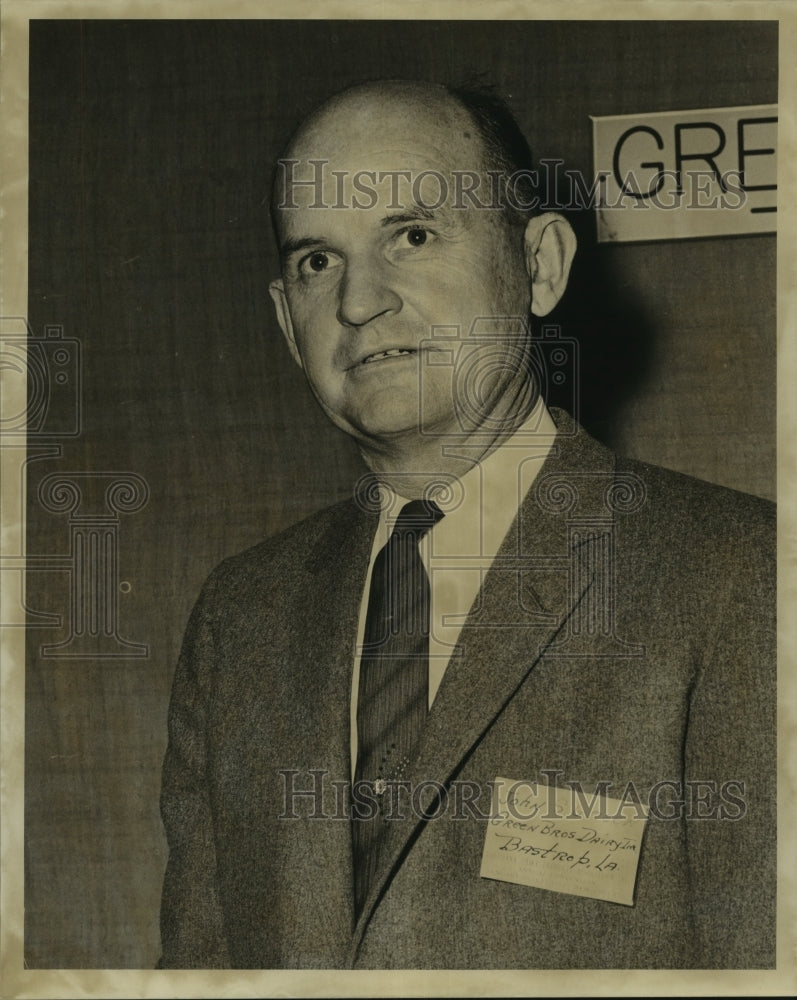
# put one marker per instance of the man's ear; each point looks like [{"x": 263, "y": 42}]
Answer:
[
  {"x": 550, "y": 245},
  {"x": 277, "y": 291}
]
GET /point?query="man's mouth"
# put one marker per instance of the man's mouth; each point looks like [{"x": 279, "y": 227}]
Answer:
[{"x": 393, "y": 352}]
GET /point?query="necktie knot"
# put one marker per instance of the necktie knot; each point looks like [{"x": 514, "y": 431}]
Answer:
[{"x": 417, "y": 517}]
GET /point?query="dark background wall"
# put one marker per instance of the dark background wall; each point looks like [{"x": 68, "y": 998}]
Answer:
[{"x": 150, "y": 152}]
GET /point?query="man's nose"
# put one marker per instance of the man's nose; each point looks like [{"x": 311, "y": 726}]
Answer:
[{"x": 366, "y": 292}]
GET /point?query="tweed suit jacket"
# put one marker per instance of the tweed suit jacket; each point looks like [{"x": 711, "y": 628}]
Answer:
[{"x": 624, "y": 633}]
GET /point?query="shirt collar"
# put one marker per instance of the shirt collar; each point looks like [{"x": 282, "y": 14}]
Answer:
[{"x": 481, "y": 505}]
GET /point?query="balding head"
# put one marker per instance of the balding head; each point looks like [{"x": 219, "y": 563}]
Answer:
[
  {"x": 487, "y": 160},
  {"x": 380, "y": 105}
]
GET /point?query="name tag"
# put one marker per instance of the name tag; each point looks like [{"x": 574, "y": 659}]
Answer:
[{"x": 564, "y": 841}]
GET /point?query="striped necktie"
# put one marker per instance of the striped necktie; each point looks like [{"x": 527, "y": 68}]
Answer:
[{"x": 392, "y": 702}]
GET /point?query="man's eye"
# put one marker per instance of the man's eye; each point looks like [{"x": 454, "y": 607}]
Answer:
[
  {"x": 318, "y": 261},
  {"x": 416, "y": 237}
]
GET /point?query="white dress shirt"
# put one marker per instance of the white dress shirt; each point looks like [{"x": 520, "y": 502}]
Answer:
[{"x": 458, "y": 551}]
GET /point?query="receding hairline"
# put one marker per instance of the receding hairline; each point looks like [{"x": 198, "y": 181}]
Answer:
[
  {"x": 425, "y": 95},
  {"x": 474, "y": 112}
]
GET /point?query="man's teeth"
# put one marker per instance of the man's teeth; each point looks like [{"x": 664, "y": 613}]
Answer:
[{"x": 392, "y": 353}]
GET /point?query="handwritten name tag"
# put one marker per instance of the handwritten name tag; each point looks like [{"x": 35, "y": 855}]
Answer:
[{"x": 553, "y": 838}]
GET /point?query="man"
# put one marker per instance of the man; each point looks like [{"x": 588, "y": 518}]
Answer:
[{"x": 504, "y": 600}]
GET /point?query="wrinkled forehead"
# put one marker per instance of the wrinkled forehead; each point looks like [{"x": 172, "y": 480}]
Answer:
[{"x": 383, "y": 149}]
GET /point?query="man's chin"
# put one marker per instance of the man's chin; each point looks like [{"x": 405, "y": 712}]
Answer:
[
  {"x": 387, "y": 430},
  {"x": 393, "y": 424},
  {"x": 395, "y": 439}
]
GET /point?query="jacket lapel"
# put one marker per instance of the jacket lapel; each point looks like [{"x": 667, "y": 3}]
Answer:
[
  {"x": 531, "y": 598},
  {"x": 324, "y": 657}
]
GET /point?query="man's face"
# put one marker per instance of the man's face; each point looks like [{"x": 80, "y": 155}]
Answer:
[{"x": 365, "y": 286}]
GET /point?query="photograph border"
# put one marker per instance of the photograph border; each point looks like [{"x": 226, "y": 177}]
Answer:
[{"x": 15, "y": 980}]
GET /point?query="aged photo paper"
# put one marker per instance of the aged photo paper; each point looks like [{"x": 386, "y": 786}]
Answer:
[{"x": 153, "y": 423}]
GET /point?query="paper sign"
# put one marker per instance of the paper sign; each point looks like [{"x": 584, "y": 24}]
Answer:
[
  {"x": 552, "y": 838},
  {"x": 683, "y": 174}
]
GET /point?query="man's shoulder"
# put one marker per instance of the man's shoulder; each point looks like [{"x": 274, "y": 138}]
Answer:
[
  {"x": 687, "y": 500},
  {"x": 667, "y": 497},
  {"x": 272, "y": 584},
  {"x": 667, "y": 519},
  {"x": 687, "y": 528},
  {"x": 298, "y": 540}
]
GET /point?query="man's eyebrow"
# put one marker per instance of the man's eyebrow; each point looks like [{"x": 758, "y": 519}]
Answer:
[
  {"x": 288, "y": 247},
  {"x": 413, "y": 215}
]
